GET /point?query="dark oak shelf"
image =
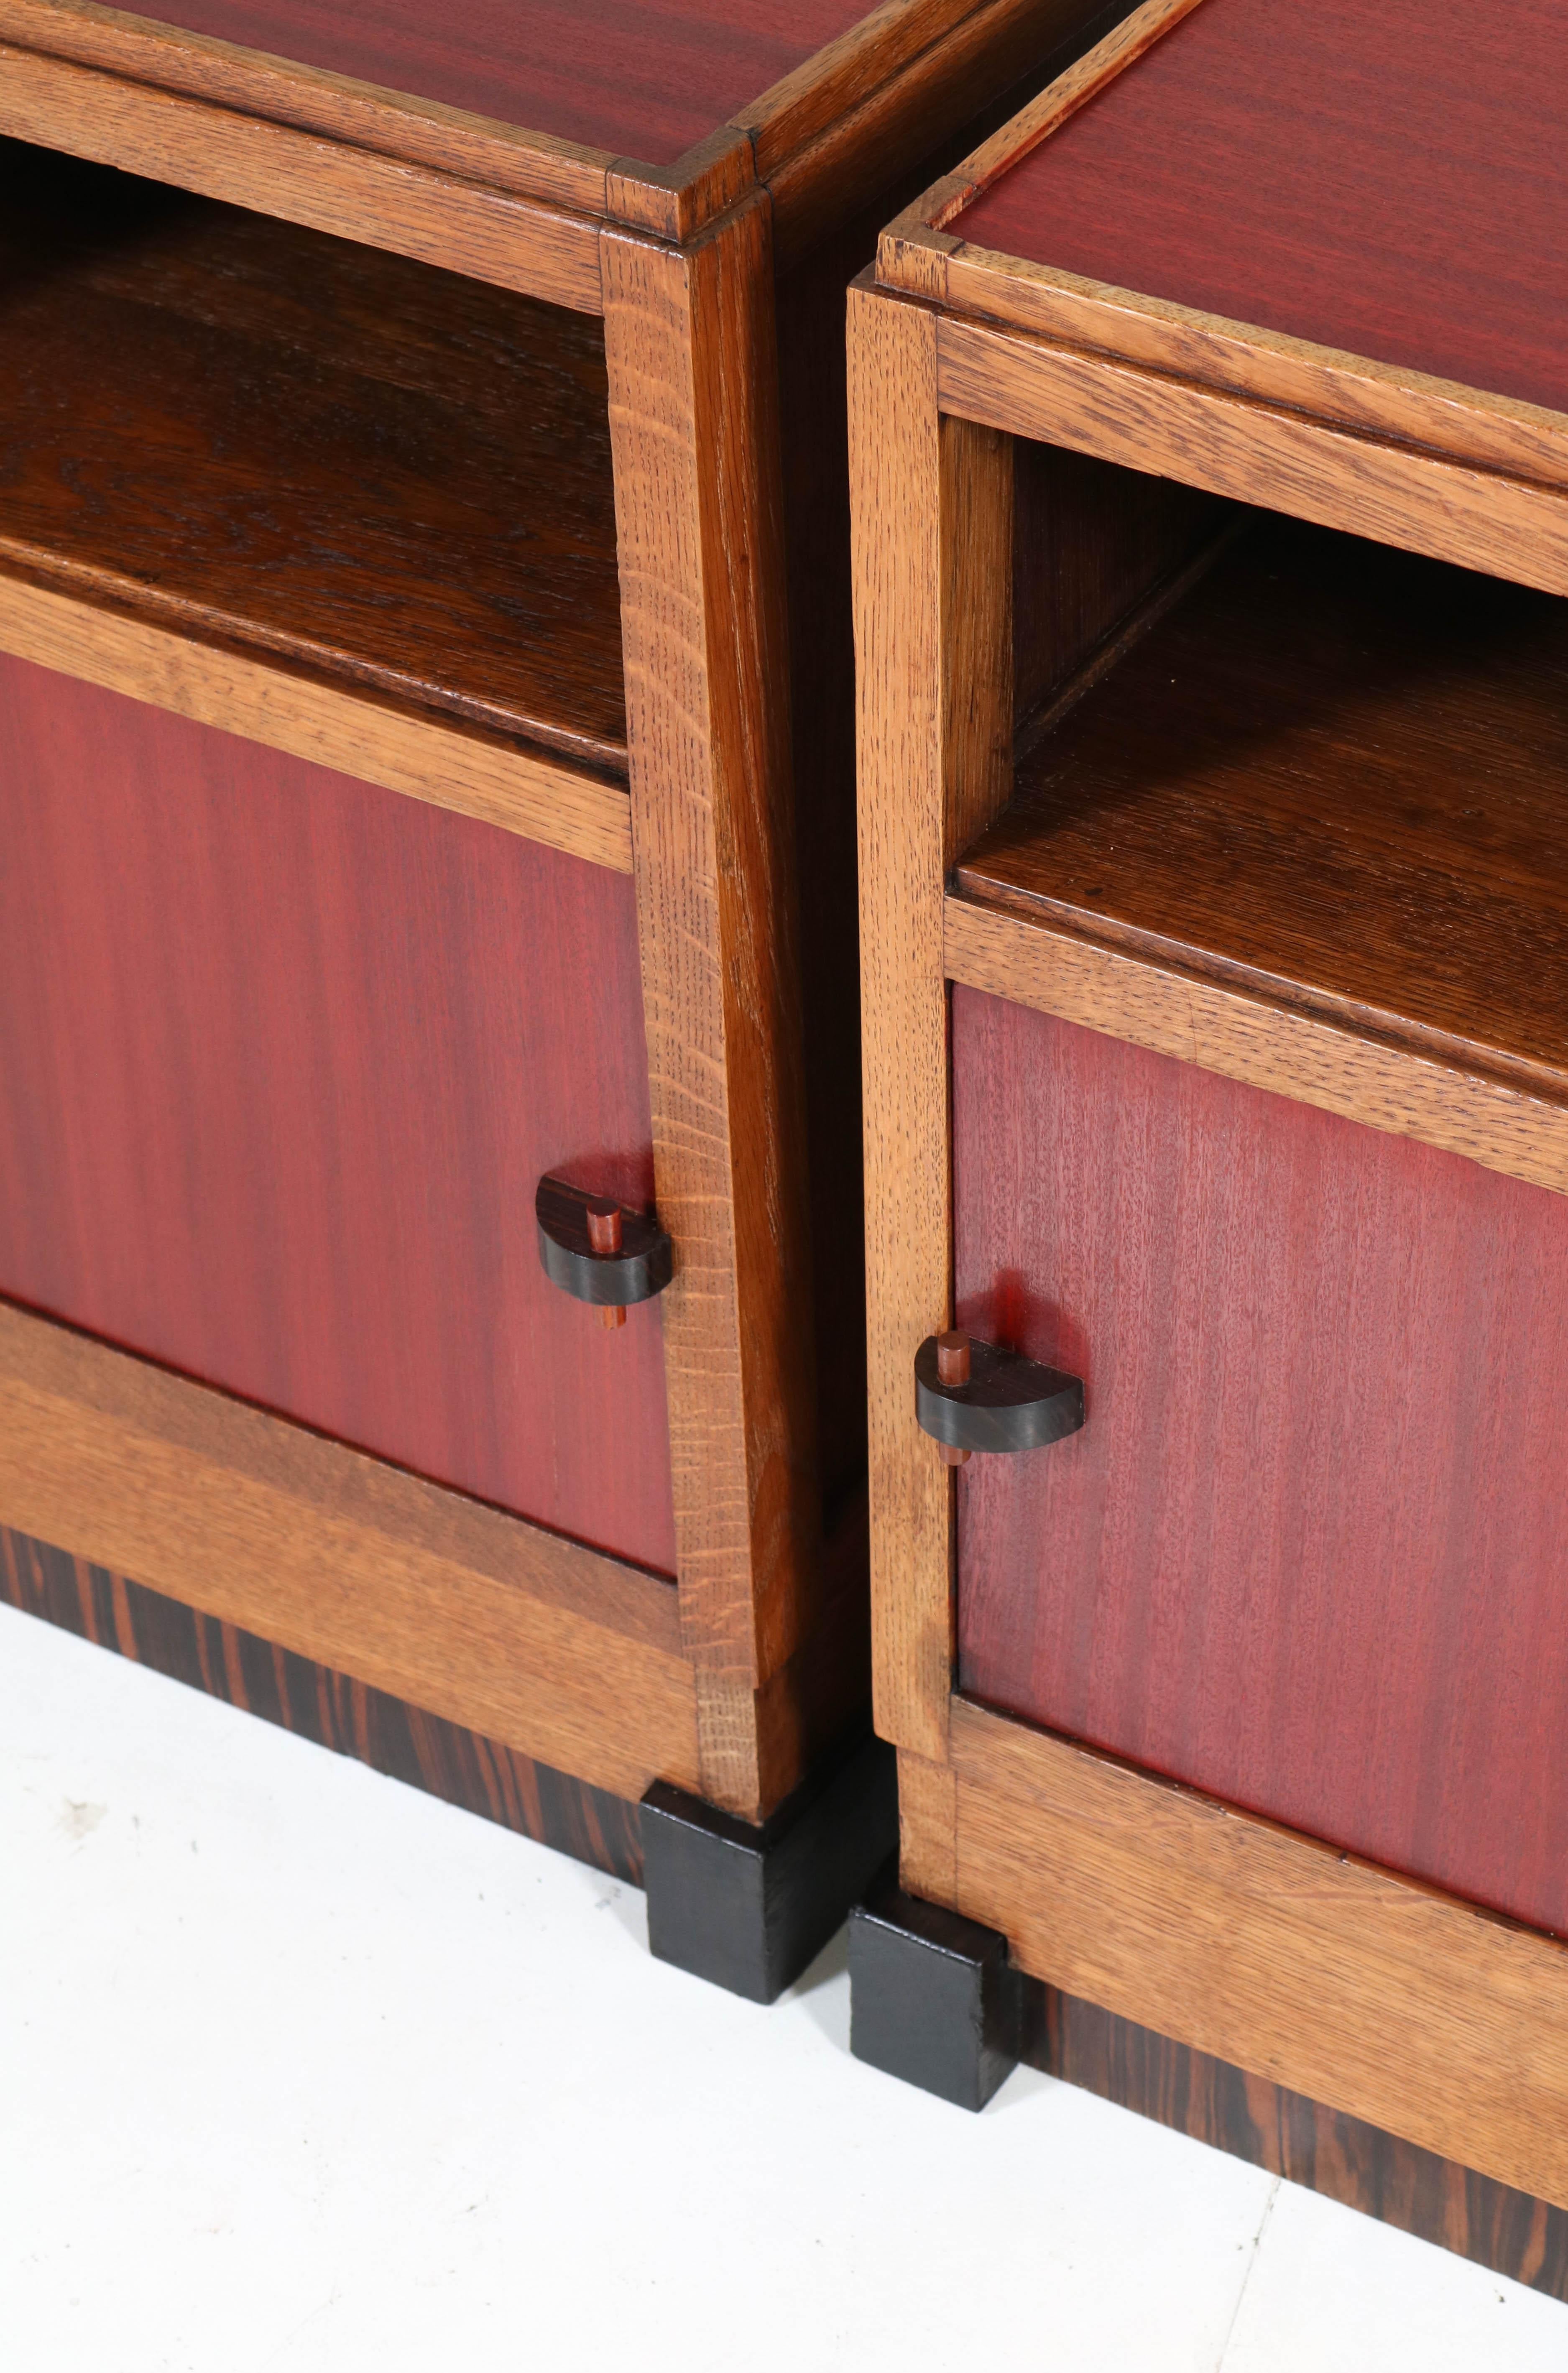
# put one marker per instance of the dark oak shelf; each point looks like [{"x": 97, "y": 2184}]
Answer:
[
  {"x": 265, "y": 436},
  {"x": 1332, "y": 771}
]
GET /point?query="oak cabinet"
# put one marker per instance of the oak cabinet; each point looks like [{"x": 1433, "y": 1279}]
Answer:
[
  {"x": 1213, "y": 677},
  {"x": 429, "y": 1205}
]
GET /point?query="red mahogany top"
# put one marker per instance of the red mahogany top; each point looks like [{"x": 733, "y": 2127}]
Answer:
[
  {"x": 640, "y": 81},
  {"x": 1385, "y": 180}
]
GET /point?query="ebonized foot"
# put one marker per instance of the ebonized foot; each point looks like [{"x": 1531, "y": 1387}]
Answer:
[
  {"x": 749, "y": 1907},
  {"x": 933, "y": 1997}
]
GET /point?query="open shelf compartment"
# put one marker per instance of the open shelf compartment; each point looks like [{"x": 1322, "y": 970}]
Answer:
[
  {"x": 389, "y": 474},
  {"x": 1327, "y": 770}
]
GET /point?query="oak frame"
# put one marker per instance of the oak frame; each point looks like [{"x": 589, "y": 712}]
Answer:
[
  {"x": 921, "y": 254},
  {"x": 1074, "y": 1855},
  {"x": 552, "y": 1648},
  {"x": 491, "y": 198}
]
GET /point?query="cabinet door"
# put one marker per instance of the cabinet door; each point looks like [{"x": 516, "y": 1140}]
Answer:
[
  {"x": 282, "y": 1059},
  {"x": 1310, "y": 1552}
]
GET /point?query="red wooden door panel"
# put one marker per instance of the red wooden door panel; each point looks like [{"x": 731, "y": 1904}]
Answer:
[
  {"x": 282, "y": 1057},
  {"x": 1310, "y": 1552}
]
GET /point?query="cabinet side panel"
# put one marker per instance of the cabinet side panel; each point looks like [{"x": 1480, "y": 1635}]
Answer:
[
  {"x": 284, "y": 1058},
  {"x": 1310, "y": 1552}
]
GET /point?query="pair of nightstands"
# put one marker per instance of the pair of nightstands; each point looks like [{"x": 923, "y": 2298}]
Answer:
[
  {"x": 421, "y": 541},
  {"x": 431, "y": 1218}
]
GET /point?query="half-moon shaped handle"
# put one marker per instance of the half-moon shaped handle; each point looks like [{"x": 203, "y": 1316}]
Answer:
[
  {"x": 570, "y": 1219},
  {"x": 1002, "y": 1401}
]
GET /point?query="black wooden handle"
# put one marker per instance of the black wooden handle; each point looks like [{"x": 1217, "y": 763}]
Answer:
[
  {"x": 1006, "y": 1403},
  {"x": 640, "y": 1269}
]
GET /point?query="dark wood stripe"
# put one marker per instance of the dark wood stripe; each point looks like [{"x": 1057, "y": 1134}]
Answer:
[
  {"x": 398, "y": 1739},
  {"x": 1507, "y": 2230}
]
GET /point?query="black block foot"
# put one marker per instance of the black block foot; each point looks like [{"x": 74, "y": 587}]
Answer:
[
  {"x": 933, "y": 1998},
  {"x": 749, "y": 1907}
]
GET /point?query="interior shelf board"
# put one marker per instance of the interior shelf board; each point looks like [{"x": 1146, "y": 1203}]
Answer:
[
  {"x": 1334, "y": 773},
  {"x": 388, "y": 473}
]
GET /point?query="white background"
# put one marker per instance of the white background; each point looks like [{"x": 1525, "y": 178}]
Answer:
[{"x": 300, "y": 2070}]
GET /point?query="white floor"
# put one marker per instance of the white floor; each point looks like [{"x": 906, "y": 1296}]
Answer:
[{"x": 301, "y": 2070}]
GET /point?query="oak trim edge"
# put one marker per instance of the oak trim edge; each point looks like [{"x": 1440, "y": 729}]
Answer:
[
  {"x": 571, "y": 1657},
  {"x": 1376, "y": 1995},
  {"x": 1254, "y": 452},
  {"x": 924, "y": 253},
  {"x": 407, "y": 208},
  {"x": 1314, "y": 1060},
  {"x": 444, "y": 764},
  {"x": 394, "y": 124}
]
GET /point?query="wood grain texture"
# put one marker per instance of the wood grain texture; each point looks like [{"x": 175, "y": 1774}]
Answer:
[
  {"x": 843, "y": 74},
  {"x": 892, "y": 91},
  {"x": 1465, "y": 425},
  {"x": 1381, "y": 1999},
  {"x": 820, "y": 1697},
  {"x": 285, "y": 1058},
  {"x": 814, "y": 461},
  {"x": 901, "y": 584},
  {"x": 678, "y": 202},
  {"x": 609, "y": 75},
  {"x": 825, "y": 135},
  {"x": 352, "y": 114},
  {"x": 1332, "y": 773},
  {"x": 1235, "y": 2109},
  {"x": 1292, "y": 2135},
  {"x": 841, "y": 99},
  {"x": 1201, "y": 176},
  {"x": 1243, "y": 1036},
  {"x": 443, "y": 760},
  {"x": 1252, "y": 453},
  {"x": 1120, "y": 45},
  {"x": 400, "y": 1740},
  {"x": 1309, "y": 1551},
  {"x": 572, "y": 1658},
  {"x": 1091, "y": 545},
  {"x": 409, "y": 208},
  {"x": 809, "y": 298},
  {"x": 392, "y": 473},
  {"x": 928, "y": 1830},
  {"x": 977, "y": 585},
  {"x": 693, "y": 382},
  {"x": 920, "y": 253},
  {"x": 914, "y": 250}
]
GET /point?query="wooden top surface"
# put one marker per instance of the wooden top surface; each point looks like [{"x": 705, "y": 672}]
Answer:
[
  {"x": 618, "y": 76},
  {"x": 1335, "y": 773},
  {"x": 1385, "y": 180}
]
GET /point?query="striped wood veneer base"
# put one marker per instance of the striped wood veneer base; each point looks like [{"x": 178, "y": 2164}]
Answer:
[
  {"x": 1343, "y": 2157},
  {"x": 401, "y": 1740},
  {"x": 1255, "y": 2120}
]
